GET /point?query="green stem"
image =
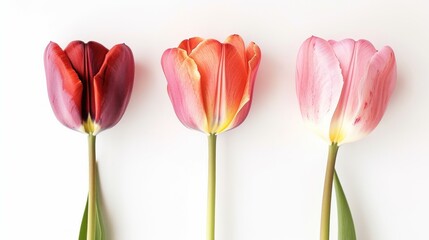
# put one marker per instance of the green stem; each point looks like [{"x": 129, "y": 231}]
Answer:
[
  {"x": 211, "y": 192},
  {"x": 92, "y": 192},
  {"x": 327, "y": 192}
]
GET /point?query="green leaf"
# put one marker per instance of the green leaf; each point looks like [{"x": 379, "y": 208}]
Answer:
[
  {"x": 346, "y": 229},
  {"x": 84, "y": 224},
  {"x": 99, "y": 231}
]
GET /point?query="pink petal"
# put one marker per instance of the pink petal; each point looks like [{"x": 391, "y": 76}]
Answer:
[
  {"x": 112, "y": 86},
  {"x": 318, "y": 84},
  {"x": 184, "y": 88},
  {"x": 64, "y": 87},
  {"x": 374, "y": 93},
  {"x": 223, "y": 81},
  {"x": 354, "y": 58}
]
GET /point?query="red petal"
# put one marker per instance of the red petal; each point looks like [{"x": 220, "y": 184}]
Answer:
[
  {"x": 64, "y": 87},
  {"x": 86, "y": 60},
  {"x": 95, "y": 55},
  {"x": 75, "y": 52},
  {"x": 112, "y": 86}
]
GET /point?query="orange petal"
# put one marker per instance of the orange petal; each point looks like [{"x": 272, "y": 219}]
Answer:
[
  {"x": 189, "y": 44},
  {"x": 253, "y": 56},
  {"x": 223, "y": 81},
  {"x": 236, "y": 41}
]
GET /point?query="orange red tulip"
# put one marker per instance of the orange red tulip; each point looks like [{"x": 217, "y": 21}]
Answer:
[{"x": 210, "y": 83}]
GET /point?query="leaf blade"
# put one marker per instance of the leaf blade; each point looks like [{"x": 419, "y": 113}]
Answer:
[
  {"x": 99, "y": 230},
  {"x": 84, "y": 224},
  {"x": 346, "y": 229}
]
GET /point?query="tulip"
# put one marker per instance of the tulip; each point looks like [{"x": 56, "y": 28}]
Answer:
[
  {"x": 210, "y": 85},
  {"x": 344, "y": 87},
  {"x": 343, "y": 90},
  {"x": 89, "y": 88}
]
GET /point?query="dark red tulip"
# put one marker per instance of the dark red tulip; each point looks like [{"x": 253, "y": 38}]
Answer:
[{"x": 89, "y": 86}]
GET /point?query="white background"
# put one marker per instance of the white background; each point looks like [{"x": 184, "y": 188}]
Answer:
[{"x": 153, "y": 170}]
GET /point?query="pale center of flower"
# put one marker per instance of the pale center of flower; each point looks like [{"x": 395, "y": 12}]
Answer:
[{"x": 90, "y": 126}]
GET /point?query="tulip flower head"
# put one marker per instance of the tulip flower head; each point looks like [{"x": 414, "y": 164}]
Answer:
[
  {"x": 344, "y": 87},
  {"x": 89, "y": 86},
  {"x": 210, "y": 84}
]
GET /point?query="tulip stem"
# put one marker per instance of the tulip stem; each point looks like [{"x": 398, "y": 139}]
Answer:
[
  {"x": 327, "y": 192},
  {"x": 211, "y": 192},
  {"x": 92, "y": 192}
]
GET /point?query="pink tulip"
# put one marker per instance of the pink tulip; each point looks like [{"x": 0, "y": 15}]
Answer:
[
  {"x": 343, "y": 90},
  {"x": 344, "y": 87},
  {"x": 89, "y": 86},
  {"x": 210, "y": 83}
]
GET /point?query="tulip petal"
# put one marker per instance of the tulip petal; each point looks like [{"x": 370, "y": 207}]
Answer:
[
  {"x": 112, "y": 87},
  {"x": 236, "y": 41},
  {"x": 223, "y": 80},
  {"x": 95, "y": 55},
  {"x": 64, "y": 87},
  {"x": 354, "y": 58},
  {"x": 86, "y": 60},
  {"x": 189, "y": 44},
  {"x": 75, "y": 52},
  {"x": 374, "y": 94},
  {"x": 253, "y": 58},
  {"x": 184, "y": 88},
  {"x": 318, "y": 84}
]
